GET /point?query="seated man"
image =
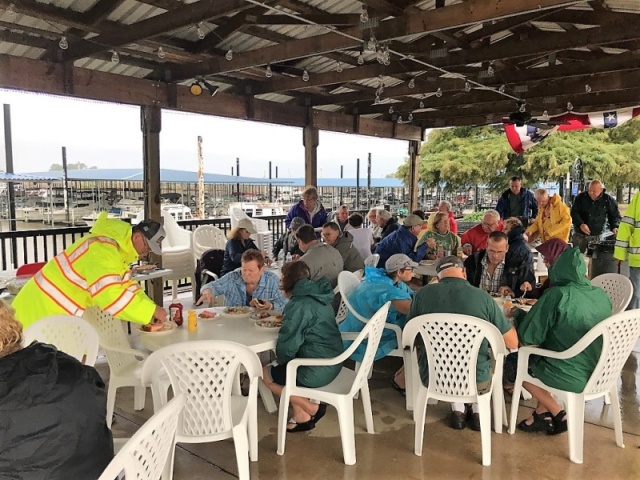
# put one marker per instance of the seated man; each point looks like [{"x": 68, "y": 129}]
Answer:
[
  {"x": 288, "y": 243},
  {"x": 403, "y": 241},
  {"x": 497, "y": 269},
  {"x": 562, "y": 316},
  {"x": 351, "y": 258},
  {"x": 341, "y": 217},
  {"x": 438, "y": 298},
  {"x": 323, "y": 260},
  {"x": 249, "y": 285},
  {"x": 475, "y": 239},
  {"x": 386, "y": 223}
]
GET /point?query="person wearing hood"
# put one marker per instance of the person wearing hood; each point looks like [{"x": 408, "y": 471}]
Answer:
[
  {"x": 95, "y": 271},
  {"x": 382, "y": 285},
  {"x": 403, "y": 241},
  {"x": 351, "y": 258},
  {"x": 309, "y": 330},
  {"x": 562, "y": 316},
  {"x": 515, "y": 235},
  {"x": 517, "y": 202},
  {"x": 590, "y": 212},
  {"x": 309, "y": 209},
  {"x": 53, "y": 419},
  {"x": 553, "y": 220},
  {"x": 288, "y": 242},
  {"x": 550, "y": 252}
]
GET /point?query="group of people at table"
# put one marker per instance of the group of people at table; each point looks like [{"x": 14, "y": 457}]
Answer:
[{"x": 95, "y": 271}]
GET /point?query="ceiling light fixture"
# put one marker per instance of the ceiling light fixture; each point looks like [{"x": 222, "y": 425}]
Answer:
[
  {"x": 412, "y": 83},
  {"x": 467, "y": 86},
  {"x": 400, "y": 119},
  {"x": 161, "y": 54},
  {"x": 201, "y": 33},
  {"x": 267, "y": 72},
  {"x": 439, "y": 92},
  {"x": 502, "y": 88},
  {"x": 390, "y": 109},
  {"x": 229, "y": 55},
  {"x": 410, "y": 117},
  {"x": 372, "y": 45},
  {"x": 339, "y": 68},
  {"x": 421, "y": 104},
  {"x": 63, "y": 43},
  {"x": 545, "y": 115},
  {"x": 305, "y": 76},
  {"x": 569, "y": 106},
  {"x": 587, "y": 88},
  {"x": 195, "y": 89},
  {"x": 361, "y": 59},
  {"x": 364, "y": 14},
  {"x": 490, "y": 70},
  {"x": 115, "y": 58},
  {"x": 522, "y": 107}
]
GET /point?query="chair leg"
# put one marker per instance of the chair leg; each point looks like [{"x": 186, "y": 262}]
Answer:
[
  {"x": 252, "y": 427},
  {"x": 484, "y": 408},
  {"x": 111, "y": 402},
  {"x": 617, "y": 417},
  {"x": 498, "y": 407},
  {"x": 282, "y": 420},
  {"x": 515, "y": 404},
  {"x": 139, "y": 397},
  {"x": 241, "y": 444},
  {"x": 366, "y": 405},
  {"x": 167, "y": 473},
  {"x": 408, "y": 380},
  {"x": 347, "y": 434},
  {"x": 267, "y": 397},
  {"x": 419, "y": 416},
  {"x": 174, "y": 290},
  {"x": 575, "y": 427}
]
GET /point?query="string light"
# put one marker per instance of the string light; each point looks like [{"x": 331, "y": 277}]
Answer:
[
  {"x": 523, "y": 107},
  {"x": 361, "y": 59},
  {"x": 569, "y": 106},
  {"x": 467, "y": 86},
  {"x": 545, "y": 114},
  {"x": 63, "y": 44},
  {"x": 339, "y": 68},
  {"x": 390, "y": 109},
  {"x": 412, "y": 83},
  {"x": 421, "y": 104},
  {"x": 490, "y": 70},
  {"x": 439, "y": 92},
  {"x": 268, "y": 73},
  {"x": 364, "y": 14},
  {"x": 501, "y": 89},
  {"x": 372, "y": 44},
  {"x": 587, "y": 88},
  {"x": 400, "y": 119},
  {"x": 229, "y": 55},
  {"x": 161, "y": 54},
  {"x": 305, "y": 76},
  {"x": 410, "y": 117},
  {"x": 115, "y": 58},
  {"x": 201, "y": 33}
]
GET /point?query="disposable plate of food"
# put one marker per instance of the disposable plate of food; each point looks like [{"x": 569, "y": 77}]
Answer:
[
  {"x": 238, "y": 311},
  {"x": 208, "y": 315},
  {"x": 166, "y": 327},
  {"x": 270, "y": 322},
  {"x": 261, "y": 315},
  {"x": 529, "y": 302}
]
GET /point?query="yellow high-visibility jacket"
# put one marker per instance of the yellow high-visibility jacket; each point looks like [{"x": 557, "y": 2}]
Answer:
[
  {"x": 92, "y": 271},
  {"x": 557, "y": 224},
  {"x": 628, "y": 239}
]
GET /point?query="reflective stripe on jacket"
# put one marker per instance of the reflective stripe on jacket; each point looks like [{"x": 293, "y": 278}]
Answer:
[
  {"x": 92, "y": 271},
  {"x": 628, "y": 239}
]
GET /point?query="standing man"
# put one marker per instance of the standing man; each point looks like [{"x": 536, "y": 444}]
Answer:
[
  {"x": 95, "y": 271},
  {"x": 590, "y": 212},
  {"x": 517, "y": 202},
  {"x": 344, "y": 244},
  {"x": 475, "y": 239},
  {"x": 309, "y": 209},
  {"x": 323, "y": 260},
  {"x": 627, "y": 243}
]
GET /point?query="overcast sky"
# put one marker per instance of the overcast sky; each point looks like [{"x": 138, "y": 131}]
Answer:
[{"x": 108, "y": 136}]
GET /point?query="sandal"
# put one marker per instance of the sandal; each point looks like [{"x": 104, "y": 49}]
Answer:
[
  {"x": 398, "y": 388},
  {"x": 322, "y": 409},
  {"x": 559, "y": 423},
  {"x": 301, "y": 427},
  {"x": 542, "y": 422}
]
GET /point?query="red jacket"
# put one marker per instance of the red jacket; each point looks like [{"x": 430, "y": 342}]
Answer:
[
  {"x": 477, "y": 237},
  {"x": 453, "y": 225}
]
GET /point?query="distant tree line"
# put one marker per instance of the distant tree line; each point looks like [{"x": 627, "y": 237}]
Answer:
[{"x": 57, "y": 167}]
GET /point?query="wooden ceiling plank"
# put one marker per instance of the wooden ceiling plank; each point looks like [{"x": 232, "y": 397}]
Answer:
[
  {"x": 100, "y": 11},
  {"x": 225, "y": 28}
]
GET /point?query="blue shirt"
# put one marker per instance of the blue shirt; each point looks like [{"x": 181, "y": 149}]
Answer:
[{"x": 234, "y": 289}]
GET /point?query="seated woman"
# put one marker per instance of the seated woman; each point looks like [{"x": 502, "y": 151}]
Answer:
[
  {"x": 550, "y": 252},
  {"x": 562, "y": 316},
  {"x": 378, "y": 287},
  {"x": 53, "y": 411},
  {"x": 440, "y": 239},
  {"x": 515, "y": 234},
  {"x": 309, "y": 330},
  {"x": 238, "y": 243}
]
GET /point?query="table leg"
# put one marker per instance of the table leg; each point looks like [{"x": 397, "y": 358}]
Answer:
[{"x": 267, "y": 398}]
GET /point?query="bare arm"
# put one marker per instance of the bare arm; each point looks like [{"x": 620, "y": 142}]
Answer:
[{"x": 511, "y": 339}]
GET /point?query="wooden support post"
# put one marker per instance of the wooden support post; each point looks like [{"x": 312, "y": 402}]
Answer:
[
  {"x": 414, "y": 148},
  {"x": 150, "y": 123},
  {"x": 310, "y": 140}
]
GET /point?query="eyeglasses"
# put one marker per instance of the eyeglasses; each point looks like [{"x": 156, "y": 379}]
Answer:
[{"x": 490, "y": 224}]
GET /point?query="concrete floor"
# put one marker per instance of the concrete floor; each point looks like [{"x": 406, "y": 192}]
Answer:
[{"x": 388, "y": 454}]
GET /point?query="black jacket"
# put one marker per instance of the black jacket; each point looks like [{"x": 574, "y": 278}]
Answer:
[
  {"x": 516, "y": 271},
  {"x": 518, "y": 246},
  {"x": 52, "y": 417},
  {"x": 595, "y": 213},
  {"x": 233, "y": 251},
  {"x": 283, "y": 244},
  {"x": 391, "y": 226}
]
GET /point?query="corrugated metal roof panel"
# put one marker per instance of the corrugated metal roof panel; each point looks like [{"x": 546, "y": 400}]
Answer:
[{"x": 19, "y": 177}]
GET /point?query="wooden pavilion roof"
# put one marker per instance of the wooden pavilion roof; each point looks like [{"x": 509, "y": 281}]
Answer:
[{"x": 388, "y": 68}]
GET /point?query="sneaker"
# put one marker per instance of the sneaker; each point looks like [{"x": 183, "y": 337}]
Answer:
[{"x": 457, "y": 420}]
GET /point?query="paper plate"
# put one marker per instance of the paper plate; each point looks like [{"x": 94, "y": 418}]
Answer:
[{"x": 168, "y": 328}]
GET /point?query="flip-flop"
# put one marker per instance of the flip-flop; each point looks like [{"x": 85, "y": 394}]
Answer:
[
  {"x": 322, "y": 410},
  {"x": 301, "y": 427},
  {"x": 394, "y": 384}
]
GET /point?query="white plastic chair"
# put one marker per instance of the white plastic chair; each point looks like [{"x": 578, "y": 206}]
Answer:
[
  {"x": 618, "y": 287},
  {"x": 452, "y": 343},
  {"x": 619, "y": 335},
  {"x": 372, "y": 260},
  {"x": 71, "y": 335},
  {"x": 176, "y": 252},
  {"x": 341, "y": 391},
  {"x": 125, "y": 363},
  {"x": 206, "y": 372},
  {"x": 206, "y": 237},
  {"x": 147, "y": 455}
]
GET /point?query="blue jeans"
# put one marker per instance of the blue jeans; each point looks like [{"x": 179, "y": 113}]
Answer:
[{"x": 634, "y": 276}]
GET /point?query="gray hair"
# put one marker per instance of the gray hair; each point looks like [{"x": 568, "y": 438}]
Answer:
[
  {"x": 446, "y": 204},
  {"x": 541, "y": 192},
  {"x": 493, "y": 213},
  {"x": 373, "y": 211},
  {"x": 343, "y": 207},
  {"x": 384, "y": 214}
]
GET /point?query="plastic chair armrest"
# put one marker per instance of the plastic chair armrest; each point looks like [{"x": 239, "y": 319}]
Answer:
[{"x": 129, "y": 351}]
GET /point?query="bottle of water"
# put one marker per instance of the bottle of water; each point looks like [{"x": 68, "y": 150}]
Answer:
[{"x": 288, "y": 258}]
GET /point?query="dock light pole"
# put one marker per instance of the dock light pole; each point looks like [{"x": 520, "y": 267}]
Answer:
[
  {"x": 357, "y": 184},
  {"x": 270, "y": 184},
  {"x": 11, "y": 195},
  {"x": 237, "y": 175}
]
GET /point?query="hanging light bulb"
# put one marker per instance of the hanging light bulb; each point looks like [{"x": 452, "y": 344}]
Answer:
[
  {"x": 229, "y": 55},
  {"x": 268, "y": 73},
  {"x": 439, "y": 92},
  {"x": 467, "y": 86},
  {"x": 410, "y": 117},
  {"x": 523, "y": 107},
  {"x": 421, "y": 104},
  {"x": 201, "y": 33},
  {"x": 305, "y": 76},
  {"x": 400, "y": 119},
  {"x": 63, "y": 43},
  {"x": 115, "y": 58},
  {"x": 361, "y": 59},
  {"x": 501, "y": 89},
  {"x": 364, "y": 14},
  {"x": 371, "y": 44},
  {"x": 545, "y": 114},
  {"x": 569, "y": 106},
  {"x": 11, "y": 10},
  {"x": 587, "y": 88},
  {"x": 339, "y": 68},
  {"x": 412, "y": 83},
  {"x": 386, "y": 60},
  {"x": 490, "y": 70},
  {"x": 390, "y": 109},
  {"x": 161, "y": 54}
]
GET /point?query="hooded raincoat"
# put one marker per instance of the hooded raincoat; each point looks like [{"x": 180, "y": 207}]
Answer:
[
  {"x": 309, "y": 330},
  {"x": 562, "y": 316},
  {"x": 92, "y": 271},
  {"x": 554, "y": 222}
]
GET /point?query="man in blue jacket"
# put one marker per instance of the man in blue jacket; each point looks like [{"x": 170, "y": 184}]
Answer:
[
  {"x": 517, "y": 202},
  {"x": 403, "y": 240}
]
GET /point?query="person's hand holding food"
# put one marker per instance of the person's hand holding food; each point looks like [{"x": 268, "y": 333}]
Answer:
[
  {"x": 207, "y": 296},
  {"x": 261, "y": 304}
]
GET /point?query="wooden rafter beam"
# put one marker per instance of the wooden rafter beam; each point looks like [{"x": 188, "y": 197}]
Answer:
[
  {"x": 417, "y": 23},
  {"x": 337, "y": 20},
  {"x": 100, "y": 11}
]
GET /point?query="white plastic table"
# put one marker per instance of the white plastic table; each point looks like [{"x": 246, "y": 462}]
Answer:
[
  {"x": 426, "y": 267},
  {"x": 150, "y": 275}
]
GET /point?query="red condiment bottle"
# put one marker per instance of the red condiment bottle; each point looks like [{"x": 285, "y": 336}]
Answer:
[{"x": 175, "y": 312}]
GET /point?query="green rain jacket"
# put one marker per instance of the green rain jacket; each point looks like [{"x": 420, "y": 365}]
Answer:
[
  {"x": 309, "y": 330},
  {"x": 562, "y": 316}
]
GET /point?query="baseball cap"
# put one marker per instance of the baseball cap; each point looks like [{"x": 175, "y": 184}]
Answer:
[
  {"x": 398, "y": 261},
  {"x": 413, "y": 220},
  {"x": 247, "y": 225},
  {"x": 449, "y": 262},
  {"x": 297, "y": 222},
  {"x": 154, "y": 233}
]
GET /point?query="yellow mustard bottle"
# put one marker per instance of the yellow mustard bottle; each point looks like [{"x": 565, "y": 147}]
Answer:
[{"x": 192, "y": 321}]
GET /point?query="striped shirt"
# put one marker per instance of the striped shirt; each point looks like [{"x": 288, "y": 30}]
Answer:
[{"x": 490, "y": 283}]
